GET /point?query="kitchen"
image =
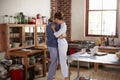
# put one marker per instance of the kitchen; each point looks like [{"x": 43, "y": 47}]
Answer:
[{"x": 76, "y": 19}]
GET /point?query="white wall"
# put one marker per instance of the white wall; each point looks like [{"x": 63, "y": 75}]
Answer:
[
  {"x": 78, "y": 22},
  {"x": 28, "y": 7},
  {"x": 32, "y": 7}
]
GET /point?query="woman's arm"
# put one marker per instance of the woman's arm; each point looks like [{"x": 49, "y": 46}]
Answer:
[{"x": 61, "y": 31}]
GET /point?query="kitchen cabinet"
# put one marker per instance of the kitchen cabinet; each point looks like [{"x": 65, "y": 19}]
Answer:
[
  {"x": 18, "y": 36},
  {"x": 21, "y": 36},
  {"x": 15, "y": 38}
]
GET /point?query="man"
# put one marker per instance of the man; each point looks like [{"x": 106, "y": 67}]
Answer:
[{"x": 53, "y": 49}]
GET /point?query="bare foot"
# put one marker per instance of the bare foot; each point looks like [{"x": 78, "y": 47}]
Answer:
[
  {"x": 54, "y": 76},
  {"x": 66, "y": 78}
]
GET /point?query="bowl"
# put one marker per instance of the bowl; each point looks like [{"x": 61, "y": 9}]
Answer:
[{"x": 16, "y": 44}]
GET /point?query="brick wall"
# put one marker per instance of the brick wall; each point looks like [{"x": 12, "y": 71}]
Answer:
[{"x": 63, "y": 6}]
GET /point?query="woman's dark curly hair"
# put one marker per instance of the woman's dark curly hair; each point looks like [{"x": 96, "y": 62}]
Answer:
[{"x": 58, "y": 15}]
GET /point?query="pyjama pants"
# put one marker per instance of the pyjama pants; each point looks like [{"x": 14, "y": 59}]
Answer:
[
  {"x": 63, "y": 47},
  {"x": 54, "y": 56}
]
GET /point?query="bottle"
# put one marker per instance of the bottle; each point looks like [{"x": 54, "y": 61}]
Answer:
[
  {"x": 99, "y": 41},
  {"x": 107, "y": 42},
  {"x": 21, "y": 18}
]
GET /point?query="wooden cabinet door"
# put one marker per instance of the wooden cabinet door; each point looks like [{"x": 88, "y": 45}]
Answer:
[
  {"x": 14, "y": 36},
  {"x": 29, "y": 35},
  {"x": 41, "y": 35}
]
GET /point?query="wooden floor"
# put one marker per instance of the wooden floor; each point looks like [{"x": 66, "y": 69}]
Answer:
[{"x": 101, "y": 74}]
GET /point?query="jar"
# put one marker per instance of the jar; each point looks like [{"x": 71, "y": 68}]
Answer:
[
  {"x": 26, "y": 20},
  {"x": 15, "y": 20},
  {"x": 5, "y": 19},
  {"x": 11, "y": 19},
  {"x": 45, "y": 20}
]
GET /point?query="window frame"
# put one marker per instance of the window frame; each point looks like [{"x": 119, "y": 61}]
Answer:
[{"x": 87, "y": 18}]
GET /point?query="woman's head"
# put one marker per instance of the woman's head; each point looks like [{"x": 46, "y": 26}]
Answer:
[{"x": 58, "y": 17}]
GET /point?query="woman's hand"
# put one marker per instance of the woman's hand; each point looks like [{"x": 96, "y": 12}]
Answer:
[{"x": 62, "y": 36}]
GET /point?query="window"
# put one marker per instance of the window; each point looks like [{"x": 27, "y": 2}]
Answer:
[{"x": 101, "y": 17}]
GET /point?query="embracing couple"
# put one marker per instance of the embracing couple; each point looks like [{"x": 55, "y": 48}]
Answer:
[{"x": 57, "y": 45}]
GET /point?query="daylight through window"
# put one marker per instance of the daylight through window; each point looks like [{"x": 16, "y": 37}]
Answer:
[{"x": 101, "y": 17}]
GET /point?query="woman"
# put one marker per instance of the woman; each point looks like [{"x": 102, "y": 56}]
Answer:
[{"x": 62, "y": 43}]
